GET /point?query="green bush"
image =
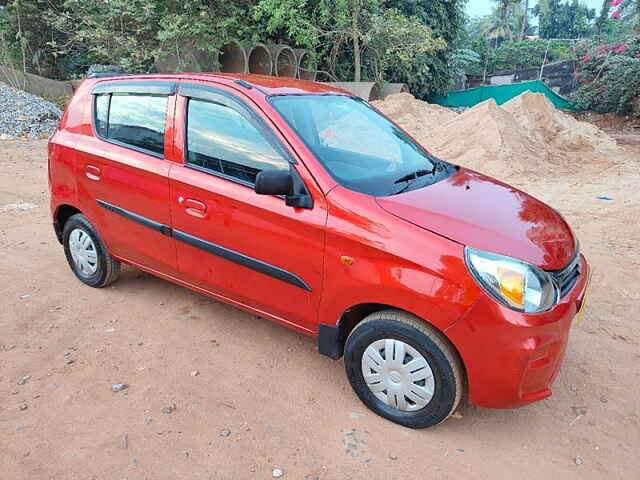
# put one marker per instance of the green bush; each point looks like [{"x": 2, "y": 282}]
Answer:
[
  {"x": 609, "y": 75},
  {"x": 515, "y": 55}
]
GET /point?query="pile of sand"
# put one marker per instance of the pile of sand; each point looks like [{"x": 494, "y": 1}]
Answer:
[
  {"x": 527, "y": 135},
  {"x": 416, "y": 116},
  {"x": 564, "y": 133}
]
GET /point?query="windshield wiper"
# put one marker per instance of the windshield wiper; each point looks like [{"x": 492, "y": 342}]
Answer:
[{"x": 414, "y": 175}]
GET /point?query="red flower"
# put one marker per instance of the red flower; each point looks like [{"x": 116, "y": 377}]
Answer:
[
  {"x": 585, "y": 58},
  {"x": 615, "y": 3},
  {"x": 622, "y": 48},
  {"x": 616, "y": 14}
]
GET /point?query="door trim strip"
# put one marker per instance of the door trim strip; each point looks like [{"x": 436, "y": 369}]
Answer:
[
  {"x": 147, "y": 222},
  {"x": 241, "y": 259},
  {"x": 212, "y": 248}
]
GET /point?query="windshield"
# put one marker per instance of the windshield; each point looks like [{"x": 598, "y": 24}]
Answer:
[{"x": 360, "y": 148}]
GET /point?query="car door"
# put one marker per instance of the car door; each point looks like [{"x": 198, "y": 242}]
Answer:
[
  {"x": 123, "y": 176},
  {"x": 251, "y": 249}
]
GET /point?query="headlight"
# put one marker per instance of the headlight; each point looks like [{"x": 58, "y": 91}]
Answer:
[{"x": 517, "y": 284}]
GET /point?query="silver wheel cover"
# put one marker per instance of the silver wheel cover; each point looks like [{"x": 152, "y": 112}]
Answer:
[
  {"x": 83, "y": 252},
  {"x": 397, "y": 374}
]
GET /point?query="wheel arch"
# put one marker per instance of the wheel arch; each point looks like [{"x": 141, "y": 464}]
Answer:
[
  {"x": 62, "y": 214},
  {"x": 332, "y": 338}
]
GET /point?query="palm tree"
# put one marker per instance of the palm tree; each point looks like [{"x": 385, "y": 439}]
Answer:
[
  {"x": 502, "y": 25},
  {"x": 525, "y": 18}
]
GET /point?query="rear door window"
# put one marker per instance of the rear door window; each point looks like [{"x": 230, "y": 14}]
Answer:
[{"x": 132, "y": 120}]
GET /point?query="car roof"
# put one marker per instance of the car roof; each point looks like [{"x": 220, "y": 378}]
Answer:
[{"x": 266, "y": 84}]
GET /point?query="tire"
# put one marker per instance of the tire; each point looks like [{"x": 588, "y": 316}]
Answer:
[
  {"x": 444, "y": 379},
  {"x": 97, "y": 269}
]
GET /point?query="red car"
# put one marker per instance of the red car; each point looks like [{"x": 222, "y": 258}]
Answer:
[{"x": 303, "y": 204}]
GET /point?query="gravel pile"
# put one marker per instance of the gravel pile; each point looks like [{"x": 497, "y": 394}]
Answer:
[{"x": 25, "y": 115}]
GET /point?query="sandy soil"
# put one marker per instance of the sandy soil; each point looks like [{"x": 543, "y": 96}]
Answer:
[{"x": 263, "y": 398}]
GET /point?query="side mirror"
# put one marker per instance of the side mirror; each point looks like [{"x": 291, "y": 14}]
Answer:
[{"x": 273, "y": 182}]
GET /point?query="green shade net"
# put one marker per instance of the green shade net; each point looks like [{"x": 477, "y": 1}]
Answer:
[{"x": 501, "y": 94}]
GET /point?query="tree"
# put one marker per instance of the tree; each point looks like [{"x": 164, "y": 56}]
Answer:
[
  {"x": 371, "y": 38},
  {"x": 327, "y": 24},
  {"x": 525, "y": 18},
  {"x": 503, "y": 21},
  {"x": 432, "y": 73},
  {"x": 602, "y": 18},
  {"x": 564, "y": 20},
  {"x": 395, "y": 41},
  {"x": 27, "y": 35}
]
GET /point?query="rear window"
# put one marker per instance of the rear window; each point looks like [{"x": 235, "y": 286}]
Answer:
[{"x": 133, "y": 120}]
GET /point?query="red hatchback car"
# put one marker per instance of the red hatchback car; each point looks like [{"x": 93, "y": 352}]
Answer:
[{"x": 303, "y": 204}]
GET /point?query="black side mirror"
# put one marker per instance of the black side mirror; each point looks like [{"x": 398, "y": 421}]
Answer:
[
  {"x": 273, "y": 182},
  {"x": 286, "y": 183}
]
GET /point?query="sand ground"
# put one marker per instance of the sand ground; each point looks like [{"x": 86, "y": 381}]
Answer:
[{"x": 264, "y": 398}]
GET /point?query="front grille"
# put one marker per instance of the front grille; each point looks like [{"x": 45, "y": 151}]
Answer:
[{"x": 567, "y": 277}]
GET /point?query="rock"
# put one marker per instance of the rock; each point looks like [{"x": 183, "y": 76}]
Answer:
[
  {"x": 24, "y": 379},
  {"x": 224, "y": 433},
  {"x": 125, "y": 441},
  {"x": 25, "y": 115},
  {"x": 579, "y": 410},
  {"x": 603, "y": 399},
  {"x": 170, "y": 409},
  {"x": 456, "y": 415},
  {"x": 118, "y": 387},
  {"x": 578, "y": 460},
  {"x": 277, "y": 473},
  {"x": 195, "y": 373},
  {"x": 23, "y": 406},
  {"x": 393, "y": 457}
]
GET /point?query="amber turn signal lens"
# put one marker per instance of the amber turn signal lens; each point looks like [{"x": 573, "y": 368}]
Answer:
[{"x": 512, "y": 285}]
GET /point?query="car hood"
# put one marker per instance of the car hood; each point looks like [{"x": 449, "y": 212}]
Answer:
[{"x": 486, "y": 214}]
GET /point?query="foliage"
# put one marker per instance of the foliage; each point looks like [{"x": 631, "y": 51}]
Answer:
[
  {"x": 610, "y": 77},
  {"x": 514, "y": 55},
  {"x": 558, "y": 19},
  {"x": 505, "y": 21},
  {"x": 121, "y": 32},
  {"x": 432, "y": 73},
  {"x": 461, "y": 61},
  {"x": 26, "y": 35},
  {"x": 395, "y": 40}
]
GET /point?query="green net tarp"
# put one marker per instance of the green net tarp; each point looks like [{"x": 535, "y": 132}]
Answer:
[{"x": 501, "y": 94}]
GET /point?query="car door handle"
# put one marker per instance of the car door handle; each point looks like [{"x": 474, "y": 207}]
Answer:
[
  {"x": 193, "y": 207},
  {"x": 92, "y": 172}
]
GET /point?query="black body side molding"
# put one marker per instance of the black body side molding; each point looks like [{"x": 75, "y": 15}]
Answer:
[
  {"x": 218, "y": 250},
  {"x": 241, "y": 259},
  {"x": 147, "y": 222}
]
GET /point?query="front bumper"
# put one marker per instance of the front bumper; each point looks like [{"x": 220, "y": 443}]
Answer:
[{"x": 512, "y": 358}]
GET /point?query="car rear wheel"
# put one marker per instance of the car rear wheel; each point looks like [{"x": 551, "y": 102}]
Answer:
[
  {"x": 403, "y": 369},
  {"x": 86, "y": 254}
]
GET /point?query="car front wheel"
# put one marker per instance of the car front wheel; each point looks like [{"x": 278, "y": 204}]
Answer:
[{"x": 403, "y": 369}]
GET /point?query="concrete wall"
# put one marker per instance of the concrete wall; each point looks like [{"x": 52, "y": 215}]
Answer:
[{"x": 43, "y": 87}]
